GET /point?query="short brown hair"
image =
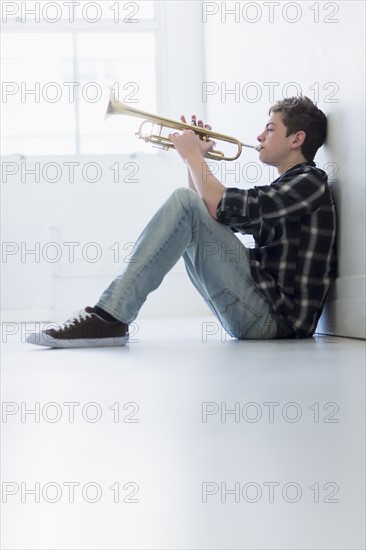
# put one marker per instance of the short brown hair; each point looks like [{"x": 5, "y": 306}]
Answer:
[{"x": 300, "y": 113}]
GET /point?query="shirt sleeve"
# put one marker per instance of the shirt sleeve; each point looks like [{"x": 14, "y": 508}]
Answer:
[{"x": 294, "y": 194}]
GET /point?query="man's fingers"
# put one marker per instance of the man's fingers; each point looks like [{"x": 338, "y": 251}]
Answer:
[{"x": 199, "y": 123}]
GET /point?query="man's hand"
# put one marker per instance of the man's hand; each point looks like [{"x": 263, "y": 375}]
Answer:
[
  {"x": 188, "y": 143},
  {"x": 192, "y": 149}
]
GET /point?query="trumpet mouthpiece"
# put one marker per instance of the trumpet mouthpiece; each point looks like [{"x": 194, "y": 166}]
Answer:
[{"x": 256, "y": 147}]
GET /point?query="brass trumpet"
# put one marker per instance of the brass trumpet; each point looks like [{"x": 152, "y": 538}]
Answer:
[{"x": 163, "y": 142}]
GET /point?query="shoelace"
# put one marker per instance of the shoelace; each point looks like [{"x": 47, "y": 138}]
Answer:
[{"x": 76, "y": 317}]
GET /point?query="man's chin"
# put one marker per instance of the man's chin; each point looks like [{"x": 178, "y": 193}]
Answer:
[{"x": 267, "y": 161}]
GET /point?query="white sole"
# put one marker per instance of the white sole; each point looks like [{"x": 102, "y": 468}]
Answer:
[{"x": 42, "y": 339}]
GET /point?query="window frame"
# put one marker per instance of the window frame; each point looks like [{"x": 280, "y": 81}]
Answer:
[
  {"x": 171, "y": 53},
  {"x": 81, "y": 26}
]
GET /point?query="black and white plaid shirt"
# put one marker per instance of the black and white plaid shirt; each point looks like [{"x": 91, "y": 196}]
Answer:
[{"x": 293, "y": 222}]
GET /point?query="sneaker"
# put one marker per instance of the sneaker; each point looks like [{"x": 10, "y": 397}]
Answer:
[{"x": 85, "y": 329}]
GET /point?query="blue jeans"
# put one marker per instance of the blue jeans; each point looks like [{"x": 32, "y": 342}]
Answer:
[{"x": 216, "y": 261}]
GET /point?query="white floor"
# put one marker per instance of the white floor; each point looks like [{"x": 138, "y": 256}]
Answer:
[{"x": 136, "y": 448}]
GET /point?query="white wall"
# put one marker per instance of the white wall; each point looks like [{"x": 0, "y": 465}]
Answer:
[{"x": 322, "y": 53}]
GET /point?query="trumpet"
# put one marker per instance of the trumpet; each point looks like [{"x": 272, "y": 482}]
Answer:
[{"x": 163, "y": 142}]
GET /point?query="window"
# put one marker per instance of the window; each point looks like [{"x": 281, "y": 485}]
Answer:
[{"x": 60, "y": 62}]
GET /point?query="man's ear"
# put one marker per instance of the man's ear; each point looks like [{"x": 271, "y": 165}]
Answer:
[{"x": 298, "y": 139}]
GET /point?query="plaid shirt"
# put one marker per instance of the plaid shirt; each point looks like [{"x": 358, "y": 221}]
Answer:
[{"x": 293, "y": 222}]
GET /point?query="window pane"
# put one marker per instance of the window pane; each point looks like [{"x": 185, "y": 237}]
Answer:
[
  {"x": 37, "y": 114},
  {"x": 40, "y": 91},
  {"x": 126, "y": 64}
]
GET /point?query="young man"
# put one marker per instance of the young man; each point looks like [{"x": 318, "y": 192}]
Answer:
[{"x": 276, "y": 289}]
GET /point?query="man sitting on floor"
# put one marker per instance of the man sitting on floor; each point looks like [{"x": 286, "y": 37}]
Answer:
[{"x": 276, "y": 289}]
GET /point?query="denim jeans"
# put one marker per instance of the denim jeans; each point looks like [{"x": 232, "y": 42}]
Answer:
[{"x": 216, "y": 261}]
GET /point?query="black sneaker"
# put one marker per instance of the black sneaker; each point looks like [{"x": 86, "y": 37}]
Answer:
[{"x": 85, "y": 329}]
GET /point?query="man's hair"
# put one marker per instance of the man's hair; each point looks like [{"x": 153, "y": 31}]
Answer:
[{"x": 300, "y": 113}]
